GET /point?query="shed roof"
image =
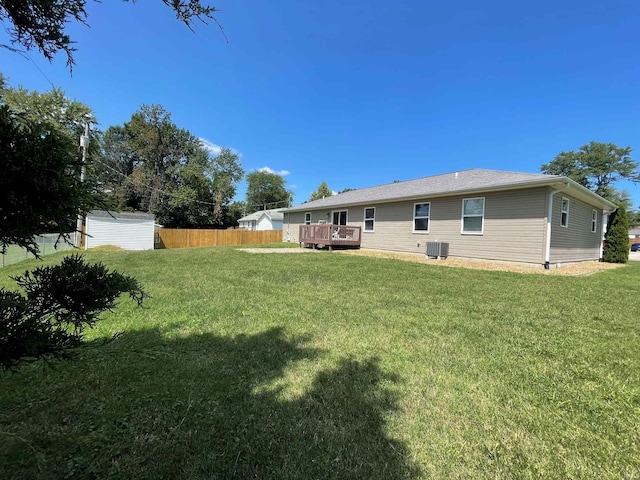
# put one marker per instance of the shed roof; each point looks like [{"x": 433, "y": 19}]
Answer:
[
  {"x": 466, "y": 181},
  {"x": 121, "y": 215}
]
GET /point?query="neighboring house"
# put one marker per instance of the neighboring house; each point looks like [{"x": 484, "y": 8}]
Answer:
[
  {"x": 263, "y": 220},
  {"x": 483, "y": 214},
  {"x": 131, "y": 231},
  {"x": 634, "y": 234}
]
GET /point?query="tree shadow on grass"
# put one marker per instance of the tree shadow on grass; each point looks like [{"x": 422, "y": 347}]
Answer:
[{"x": 203, "y": 406}]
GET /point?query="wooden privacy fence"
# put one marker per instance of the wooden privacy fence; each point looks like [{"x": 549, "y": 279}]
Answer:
[{"x": 182, "y": 237}]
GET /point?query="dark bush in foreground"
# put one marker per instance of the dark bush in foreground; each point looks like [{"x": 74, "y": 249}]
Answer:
[{"x": 58, "y": 304}]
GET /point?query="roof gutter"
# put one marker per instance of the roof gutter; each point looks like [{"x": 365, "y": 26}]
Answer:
[{"x": 547, "y": 246}]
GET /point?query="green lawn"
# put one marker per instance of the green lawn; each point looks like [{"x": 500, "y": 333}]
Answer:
[{"x": 314, "y": 366}]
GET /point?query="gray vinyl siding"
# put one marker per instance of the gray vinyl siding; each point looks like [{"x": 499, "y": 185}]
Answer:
[
  {"x": 575, "y": 243},
  {"x": 514, "y": 226},
  {"x": 292, "y": 221}
]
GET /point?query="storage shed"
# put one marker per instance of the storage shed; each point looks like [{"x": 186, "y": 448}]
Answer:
[{"x": 131, "y": 231}]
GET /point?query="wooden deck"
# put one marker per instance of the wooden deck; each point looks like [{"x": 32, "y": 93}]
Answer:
[{"x": 320, "y": 235}]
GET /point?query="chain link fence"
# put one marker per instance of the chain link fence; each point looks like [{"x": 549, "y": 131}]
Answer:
[{"x": 48, "y": 243}]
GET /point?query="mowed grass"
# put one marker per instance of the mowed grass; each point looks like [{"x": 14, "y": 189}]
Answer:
[{"x": 330, "y": 366}]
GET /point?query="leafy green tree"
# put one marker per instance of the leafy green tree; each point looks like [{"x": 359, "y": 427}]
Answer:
[
  {"x": 42, "y": 24},
  {"x": 169, "y": 178},
  {"x": 235, "y": 212},
  {"x": 596, "y": 166},
  {"x": 616, "y": 240},
  {"x": 189, "y": 193},
  {"x": 152, "y": 165},
  {"x": 266, "y": 190},
  {"x": 114, "y": 164},
  {"x": 67, "y": 115},
  {"x": 322, "y": 191},
  {"x": 619, "y": 197},
  {"x": 53, "y": 107},
  {"x": 226, "y": 171},
  {"x": 40, "y": 187},
  {"x": 634, "y": 218}
]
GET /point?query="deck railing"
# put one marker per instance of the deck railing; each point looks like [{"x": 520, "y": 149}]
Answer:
[{"x": 330, "y": 235}]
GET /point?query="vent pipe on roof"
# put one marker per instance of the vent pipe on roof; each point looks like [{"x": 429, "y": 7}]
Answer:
[{"x": 456, "y": 174}]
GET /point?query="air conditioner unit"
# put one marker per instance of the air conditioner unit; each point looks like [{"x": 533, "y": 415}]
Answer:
[{"x": 437, "y": 249}]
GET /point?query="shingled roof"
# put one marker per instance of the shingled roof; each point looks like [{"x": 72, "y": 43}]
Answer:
[
  {"x": 462, "y": 182},
  {"x": 274, "y": 214}
]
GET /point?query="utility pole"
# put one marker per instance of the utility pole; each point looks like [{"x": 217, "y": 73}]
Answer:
[{"x": 84, "y": 144}]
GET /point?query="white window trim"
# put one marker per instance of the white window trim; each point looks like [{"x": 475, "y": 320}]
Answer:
[
  {"x": 566, "y": 224},
  {"x": 338, "y": 211},
  {"x": 594, "y": 221},
  {"x": 364, "y": 227},
  {"x": 481, "y": 232},
  {"x": 307, "y": 222},
  {"x": 428, "y": 217}
]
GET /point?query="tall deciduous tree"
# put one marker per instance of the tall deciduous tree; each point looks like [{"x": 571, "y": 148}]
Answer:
[
  {"x": 152, "y": 165},
  {"x": 596, "y": 166},
  {"x": 42, "y": 24},
  {"x": 322, "y": 191},
  {"x": 66, "y": 115},
  {"x": 113, "y": 167},
  {"x": 226, "y": 171},
  {"x": 168, "y": 161},
  {"x": 266, "y": 190}
]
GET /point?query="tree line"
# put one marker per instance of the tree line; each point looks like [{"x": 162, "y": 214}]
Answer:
[{"x": 149, "y": 164}]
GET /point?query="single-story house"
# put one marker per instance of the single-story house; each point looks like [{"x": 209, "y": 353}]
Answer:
[
  {"x": 131, "y": 231},
  {"x": 263, "y": 220},
  {"x": 634, "y": 234},
  {"x": 536, "y": 219}
]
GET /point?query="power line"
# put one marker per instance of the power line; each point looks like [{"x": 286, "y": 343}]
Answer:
[{"x": 24, "y": 54}]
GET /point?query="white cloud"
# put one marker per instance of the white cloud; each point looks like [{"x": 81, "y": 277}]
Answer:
[
  {"x": 211, "y": 147},
  {"x": 282, "y": 173},
  {"x": 215, "y": 149}
]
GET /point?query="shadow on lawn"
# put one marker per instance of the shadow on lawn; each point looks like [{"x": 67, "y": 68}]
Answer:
[{"x": 146, "y": 406}]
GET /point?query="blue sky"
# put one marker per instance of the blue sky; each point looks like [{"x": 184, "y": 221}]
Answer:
[{"x": 359, "y": 93}]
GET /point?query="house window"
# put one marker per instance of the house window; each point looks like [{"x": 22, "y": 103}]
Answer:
[
  {"x": 594, "y": 221},
  {"x": 421, "y": 212},
  {"x": 564, "y": 212},
  {"x": 307, "y": 218},
  {"x": 473, "y": 215},
  {"x": 339, "y": 217},
  {"x": 369, "y": 219}
]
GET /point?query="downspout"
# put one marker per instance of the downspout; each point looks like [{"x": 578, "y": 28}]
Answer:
[
  {"x": 547, "y": 247},
  {"x": 288, "y": 226}
]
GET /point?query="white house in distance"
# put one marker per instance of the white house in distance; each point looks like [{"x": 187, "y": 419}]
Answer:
[
  {"x": 263, "y": 220},
  {"x": 130, "y": 231}
]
